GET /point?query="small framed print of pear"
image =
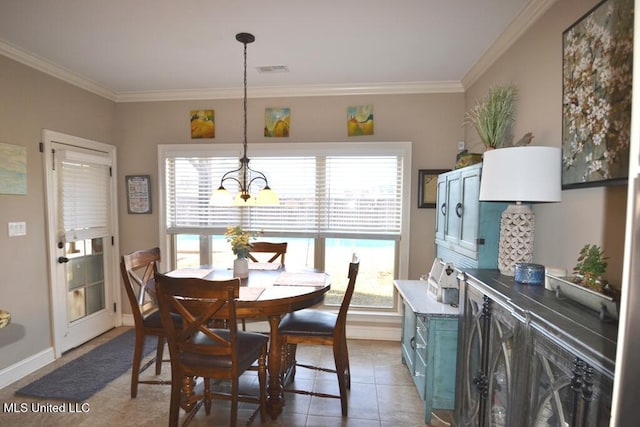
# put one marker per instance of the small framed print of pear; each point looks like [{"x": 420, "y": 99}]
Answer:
[
  {"x": 360, "y": 120},
  {"x": 277, "y": 122}
]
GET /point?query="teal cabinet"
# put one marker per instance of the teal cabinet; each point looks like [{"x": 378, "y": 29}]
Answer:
[
  {"x": 429, "y": 345},
  {"x": 467, "y": 230}
]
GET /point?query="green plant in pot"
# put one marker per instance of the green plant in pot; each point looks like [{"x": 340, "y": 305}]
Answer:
[
  {"x": 590, "y": 267},
  {"x": 492, "y": 115}
]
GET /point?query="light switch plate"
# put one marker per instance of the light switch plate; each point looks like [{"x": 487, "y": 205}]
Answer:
[
  {"x": 17, "y": 229},
  {"x": 461, "y": 145}
]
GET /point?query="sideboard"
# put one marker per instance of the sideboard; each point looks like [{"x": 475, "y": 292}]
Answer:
[
  {"x": 527, "y": 358},
  {"x": 429, "y": 343}
]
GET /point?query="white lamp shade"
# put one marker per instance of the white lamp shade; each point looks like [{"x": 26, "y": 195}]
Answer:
[
  {"x": 521, "y": 174},
  {"x": 221, "y": 197},
  {"x": 267, "y": 197}
]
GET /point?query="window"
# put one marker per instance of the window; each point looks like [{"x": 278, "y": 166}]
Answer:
[{"x": 335, "y": 199}]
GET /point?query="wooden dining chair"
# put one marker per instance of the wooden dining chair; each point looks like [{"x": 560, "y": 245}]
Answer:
[
  {"x": 199, "y": 350},
  {"x": 319, "y": 327},
  {"x": 137, "y": 270},
  {"x": 269, "y": 253},
  {"x": 278, "y": 251}
]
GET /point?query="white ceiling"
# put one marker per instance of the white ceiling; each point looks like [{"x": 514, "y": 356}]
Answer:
[{"x": 162, "y": 49}]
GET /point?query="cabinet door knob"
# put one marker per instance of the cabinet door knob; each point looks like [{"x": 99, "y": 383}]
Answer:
[
  {"x": 443, "y": 209},
  {"x": 459, "y": 210}
]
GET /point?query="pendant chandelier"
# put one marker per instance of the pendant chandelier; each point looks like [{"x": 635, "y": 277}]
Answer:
[{"x": 244, "y": 175}]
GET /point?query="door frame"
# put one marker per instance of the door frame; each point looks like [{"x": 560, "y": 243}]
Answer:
[{"x": 58, "y": 304}]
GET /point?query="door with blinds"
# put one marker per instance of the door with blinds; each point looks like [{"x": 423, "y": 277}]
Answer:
[{"x": 81, "y": 226}]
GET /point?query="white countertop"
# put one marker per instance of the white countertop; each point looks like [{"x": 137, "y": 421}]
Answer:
[{"x": 416, "y": 294}]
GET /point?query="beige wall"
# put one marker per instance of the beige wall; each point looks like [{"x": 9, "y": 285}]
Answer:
[
  {"x": 432, "y": 122},
  {"x": 29, "y": 102},
  {"x": 534, "y": 65}
]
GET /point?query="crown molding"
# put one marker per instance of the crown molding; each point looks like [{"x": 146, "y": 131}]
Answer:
[
  {"x": 33, "y": 61},
  {"x": 528, "y": 16},
  {"x": 293, "y": 91}
]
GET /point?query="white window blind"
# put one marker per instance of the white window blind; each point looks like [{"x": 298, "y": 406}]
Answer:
[
  {"x": 321, "y": 194},
  {"x": 83, "y": 192}
]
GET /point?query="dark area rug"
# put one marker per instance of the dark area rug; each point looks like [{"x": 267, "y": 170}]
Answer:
[{"x": 82, "y": 377}]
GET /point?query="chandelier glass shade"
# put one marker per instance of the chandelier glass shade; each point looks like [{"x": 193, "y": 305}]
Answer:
[{"x": 244, "y": 176}]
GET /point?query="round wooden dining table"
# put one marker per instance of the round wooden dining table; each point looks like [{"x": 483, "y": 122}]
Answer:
[{"x": 271, "y": 293}]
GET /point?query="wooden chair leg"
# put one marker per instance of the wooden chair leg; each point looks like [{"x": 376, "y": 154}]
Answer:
[
  {"x": 174, "y": 406},
  {"x": 291, "y": 359},
  {"x": 338, "y": 354},
  {"x": 262, "y": 381},
  {"x": 234, "y": 402},
  {"x": 207, "y": 396},
  {"x": 135, "y": 368},
  {"x": 159, "y": 355},
  {"x": 345, "y": 355}
]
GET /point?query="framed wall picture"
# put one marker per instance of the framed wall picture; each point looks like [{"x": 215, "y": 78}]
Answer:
[
  {"x": 596, "y": 96},
  {"x": 138, "y": 194},
  {"x": 203, "y": 124},
  {"x": 13, "y": 169},
  {"x": 277, "y": 122},
  {"x": 428, "y": 187}
]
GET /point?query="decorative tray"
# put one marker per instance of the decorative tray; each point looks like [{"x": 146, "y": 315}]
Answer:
[{"x": 606, "y": 306}]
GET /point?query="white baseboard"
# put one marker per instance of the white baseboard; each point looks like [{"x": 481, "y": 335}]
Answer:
[
  {"x": 380, "y": 333},
  {"x": 127, "y": 320},
  {"x": 19, "y": 370}
]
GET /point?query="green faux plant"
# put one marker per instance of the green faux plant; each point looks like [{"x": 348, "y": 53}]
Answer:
[
  {"x": 591, "y": 266},
  {"x": 492, "y": 115}
]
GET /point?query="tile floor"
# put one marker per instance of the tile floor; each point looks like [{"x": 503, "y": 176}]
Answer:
[{"x": 382, "y": 394}]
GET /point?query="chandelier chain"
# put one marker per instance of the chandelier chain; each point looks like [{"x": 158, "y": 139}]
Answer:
[{"x": 244, "y": 107}]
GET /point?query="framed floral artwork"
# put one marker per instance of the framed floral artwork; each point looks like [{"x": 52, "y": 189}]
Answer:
[{"x": 596, "y": 98}]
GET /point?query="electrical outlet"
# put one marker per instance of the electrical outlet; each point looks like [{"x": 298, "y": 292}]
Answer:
[
  {"x": 17, "y": 229},
  {"x": 461, "y": 145}
]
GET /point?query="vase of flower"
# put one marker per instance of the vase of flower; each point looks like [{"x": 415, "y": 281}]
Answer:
[
  {"x": 240, "y": 241},
  {"x": 240, "y": 268}
]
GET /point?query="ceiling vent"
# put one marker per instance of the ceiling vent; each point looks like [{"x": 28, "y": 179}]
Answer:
[{"x": 273, "y": 69}]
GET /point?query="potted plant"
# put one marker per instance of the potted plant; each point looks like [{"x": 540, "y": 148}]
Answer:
[
  {"x": 591, "y": 266},
  {"x": 587, "y": 286},
  {"x": 492, "y": 115}
]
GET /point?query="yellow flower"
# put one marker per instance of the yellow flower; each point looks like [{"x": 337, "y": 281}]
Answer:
[{"x": 239, "y": 240}]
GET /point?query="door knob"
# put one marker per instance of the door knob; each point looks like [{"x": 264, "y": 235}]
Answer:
[{"x": 63, "y": 259}]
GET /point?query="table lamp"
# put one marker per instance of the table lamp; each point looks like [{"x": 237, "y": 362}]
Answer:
[{"x": 519, "y": 174}]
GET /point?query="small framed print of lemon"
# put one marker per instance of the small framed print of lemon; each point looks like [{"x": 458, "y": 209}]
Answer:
[{"x": 202, "y": 124}]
